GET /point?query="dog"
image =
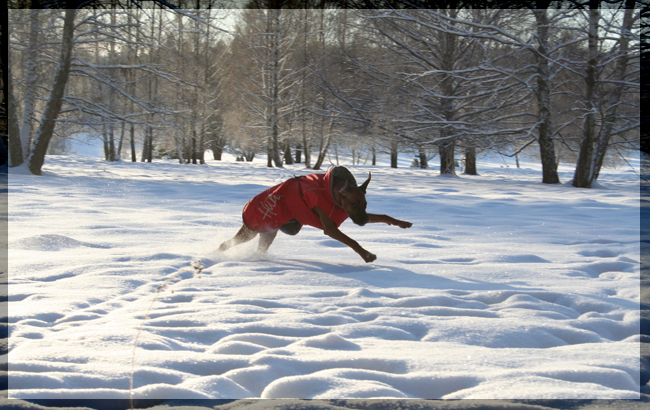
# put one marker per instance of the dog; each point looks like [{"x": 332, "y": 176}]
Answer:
[{"x": 323, "y": 201}]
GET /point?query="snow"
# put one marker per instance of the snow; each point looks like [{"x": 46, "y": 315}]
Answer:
[{"x": 504, "y": 288}]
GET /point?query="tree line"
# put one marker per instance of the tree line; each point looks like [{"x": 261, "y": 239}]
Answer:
[{"x": 297, "y": 83}]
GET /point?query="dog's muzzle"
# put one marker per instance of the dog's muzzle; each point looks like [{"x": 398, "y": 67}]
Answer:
[{"x": 360, "y": 219}]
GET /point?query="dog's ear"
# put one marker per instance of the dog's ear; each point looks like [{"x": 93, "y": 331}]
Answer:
[
  {"x": 365, "y": 184},
  {"x": 343, "y": 188}
]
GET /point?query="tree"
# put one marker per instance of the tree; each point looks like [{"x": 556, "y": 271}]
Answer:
[
  {"x": 584, "y": 168},
  {"x": 543, "y": 94},
  {"x": 446, "y": 81},
  {"x": 268, "y": 78},
  {"x": 72, "y": 32},
  {"x": 53, "y": 106},
  {"x": 596, "y": 138},
  {"x": 25, "y": 131}
]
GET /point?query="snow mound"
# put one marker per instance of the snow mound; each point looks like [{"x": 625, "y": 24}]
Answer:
[
  {"x": 51, "y": 242},
  {"x": 331, "y": 341}
]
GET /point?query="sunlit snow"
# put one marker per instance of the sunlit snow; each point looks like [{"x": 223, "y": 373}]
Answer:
[{"x": 503, "y": 288}]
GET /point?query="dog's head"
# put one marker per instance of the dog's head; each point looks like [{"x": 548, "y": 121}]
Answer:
[{"x": 353, "y": 200}]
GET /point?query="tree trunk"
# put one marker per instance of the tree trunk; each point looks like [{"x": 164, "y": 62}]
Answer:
[
  {"x": 423, "y": 158},
  {"x": 324, "y": 146},
  {"x": 306, "y": 142},
  {"x": 118, "y": 154},
  {"x": 53, "y": 105},
  {"x": 584, "y": 173},
  {"x": 273, "y": 29},
  {"x": 15, "y": 149},
  {"x": 187, "y": 150},
  {"x": 201, "y": 148},
  {"x": 111, "y": 92},
  {"x": 269, "y": 151},
  {"x": 298, "y": 154},
  {"x": 613, "y": 103},
  {"x": 217, "y": 151},
  {"x": 132, "y": 77},
  {"x": 105, "y": 141},
  {"x": 287, "y": 154},
  {"x": 150, "y": 146},
  {"x": 306, "y": 146},
  {"x": 145, "y": 145},
  {"x": 545, "y": 130},
  {"x": 470, "y": 161},
  {"x": 447, "y": 160},
  {"x": 193, "y": 154},
  {"x": 447, "y": 143},
  {"x": 374, "y": 156},
  {"x": 31, "y": 78},
  {"x": 132, "y": 137},
  {"x": 179, "y": 149},
  {"x": 393, "y": 154},
  {"x": 111, "y": 143}
]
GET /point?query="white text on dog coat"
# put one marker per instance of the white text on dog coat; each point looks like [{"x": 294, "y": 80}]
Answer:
[{"x": 269, "y": 205}]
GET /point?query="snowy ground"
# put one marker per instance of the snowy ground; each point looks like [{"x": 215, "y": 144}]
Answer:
[{"x": 504, "y": 288}]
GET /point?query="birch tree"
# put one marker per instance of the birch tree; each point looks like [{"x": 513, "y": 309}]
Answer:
[{"x": 30, "y": 95}]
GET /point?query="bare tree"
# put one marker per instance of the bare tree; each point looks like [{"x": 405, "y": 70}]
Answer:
[
  {"x": 111, "y": 74},
  {"x": 80, "y": 28},
  {"x": 596, "y": 138},
  {"x": 30, "y": 95},
  {"x": 53, "y": 106},
  {"x": 444, "y": 80},
  {"x": 543, "y": 94},
  {"x": 268, "y": 85}
]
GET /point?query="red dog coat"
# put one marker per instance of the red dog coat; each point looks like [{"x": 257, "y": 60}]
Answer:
[{"x": 294, "y": 199}]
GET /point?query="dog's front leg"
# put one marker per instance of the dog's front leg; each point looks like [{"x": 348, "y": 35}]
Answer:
[
  {"x": 389, "y": 220},
  {"x": 331, "y": 230}
]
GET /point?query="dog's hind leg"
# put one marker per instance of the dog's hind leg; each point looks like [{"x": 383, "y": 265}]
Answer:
[
  {"x": 266, "y": 239},
  {"x": 244, "y": 235}
]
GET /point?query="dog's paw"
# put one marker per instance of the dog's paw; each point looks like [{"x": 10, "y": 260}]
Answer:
[
  {"x": 404, "y": 224},
  {"x": 369, "y": 257}
]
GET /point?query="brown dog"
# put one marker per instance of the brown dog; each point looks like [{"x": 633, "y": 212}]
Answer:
[{"x": 323, "y": 201}]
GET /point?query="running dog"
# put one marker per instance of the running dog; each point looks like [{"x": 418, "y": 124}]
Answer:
[{"x": 323, "y": 201}]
